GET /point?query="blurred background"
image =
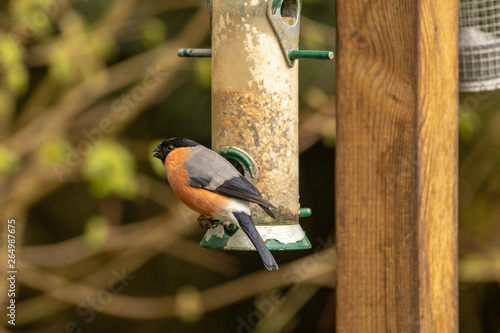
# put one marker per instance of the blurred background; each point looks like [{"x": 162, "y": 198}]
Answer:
[{"x": 87, "y": 89}]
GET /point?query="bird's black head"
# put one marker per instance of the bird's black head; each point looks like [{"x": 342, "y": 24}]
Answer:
[{"x": 167, "y": 146}]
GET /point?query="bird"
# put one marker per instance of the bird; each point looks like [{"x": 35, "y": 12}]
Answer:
[{"x": 210, "y": 185}]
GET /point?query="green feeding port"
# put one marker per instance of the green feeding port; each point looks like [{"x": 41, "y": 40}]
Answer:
[
  {"x": 277, "y": 237},
  {"x": 242, "y": 161}
]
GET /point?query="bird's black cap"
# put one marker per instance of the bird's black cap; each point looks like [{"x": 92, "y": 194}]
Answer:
[{"x": 167, "y": 146}]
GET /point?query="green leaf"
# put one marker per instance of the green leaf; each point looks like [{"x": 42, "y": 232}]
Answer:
[
  {"x": 54, "y": 150},
  {"x": 17, "y": 79},
  {"x": 110, "y": 169},
  {"x": 96, "y": 232},
  {"x": 104, "y": 46},
  {"x": 154, "y": 32},
  {"x": 12, "y": 52},
  {"x": 469, "y": 124},
  {"x": 188, "y": 305},
  {"x": 315, "y": 98},
  {"x": 203, "y": 72},
  {"x": 61, "y": 66},
  {"x": 9, "y": 161}
]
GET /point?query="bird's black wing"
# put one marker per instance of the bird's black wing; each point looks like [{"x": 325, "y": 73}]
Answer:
[
  {"x": 241, "y": 188},
  {"x": 236, "y": 187},
  {"x": 210, "y": 171}
]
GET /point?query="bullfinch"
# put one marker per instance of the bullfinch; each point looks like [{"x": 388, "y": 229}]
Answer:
[{"x": 208, "y": 184}]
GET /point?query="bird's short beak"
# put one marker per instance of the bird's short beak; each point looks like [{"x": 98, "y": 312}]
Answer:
[{"x": 156, "y": 152}]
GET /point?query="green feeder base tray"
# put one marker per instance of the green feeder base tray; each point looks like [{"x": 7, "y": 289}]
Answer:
[{"x": 277, "y": 238}]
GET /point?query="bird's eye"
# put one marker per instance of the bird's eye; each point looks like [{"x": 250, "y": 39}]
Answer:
[{"x": 170, "y": 147}]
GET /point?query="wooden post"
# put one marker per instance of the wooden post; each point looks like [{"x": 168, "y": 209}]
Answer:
[{"x": 396, "y": 166}]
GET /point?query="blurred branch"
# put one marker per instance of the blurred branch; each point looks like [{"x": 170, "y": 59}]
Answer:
[
  {"x": 163, "y": 233},
  {"x": 131, "y": 258},
  {"x": 41, "y": 55},
  {"x": 482, "y": 267},
  {"x": 83, "y": 95},
  {"x": 191, "y": 252},
  {"x": 295, "y": 273},
  {"x": 140, "y": 235},
  {"x": 43, "y": 306},
  {"x": 284, "y": 312},
  {"x": 37, "y": 178},
  {"x": 314, "y": 125},
  {"x": 151, "y": 233},
  {"x": 119, "y": 19}
]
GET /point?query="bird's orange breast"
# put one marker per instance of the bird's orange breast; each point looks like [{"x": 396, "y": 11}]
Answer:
[{"x": 199, "y": 200}]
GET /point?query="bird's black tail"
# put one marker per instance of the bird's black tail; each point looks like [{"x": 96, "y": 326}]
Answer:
[{"x": 246, "y": 223}]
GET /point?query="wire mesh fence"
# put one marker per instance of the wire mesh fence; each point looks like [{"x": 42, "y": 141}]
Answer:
[{"x": 479, "y": 45}]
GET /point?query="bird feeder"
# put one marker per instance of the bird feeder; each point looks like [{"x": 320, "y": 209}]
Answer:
[
  {"x": 479, "y": 45},
  {"x": 255, "y": 112}
]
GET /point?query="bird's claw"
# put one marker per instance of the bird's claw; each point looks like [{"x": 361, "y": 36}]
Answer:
[{"x": 206, "y": 222}]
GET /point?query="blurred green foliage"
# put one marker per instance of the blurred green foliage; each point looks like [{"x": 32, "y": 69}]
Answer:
[
  {"x": 9, "y": 161},
  {"x": 110, "y": 169},
  {"x": 154, "y": 32},
  {"x": 154, "y": 163},
  {"x": 15, "y": 74},
  {"x": 96, "y": 232},
  {"x": 469, "y": 124}
]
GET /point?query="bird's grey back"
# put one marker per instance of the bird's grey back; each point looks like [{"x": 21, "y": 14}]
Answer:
[{"x": 207, "y": 164}]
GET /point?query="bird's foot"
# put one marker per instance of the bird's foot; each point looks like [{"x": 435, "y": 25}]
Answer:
[{"x": 206, "y": 222}]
